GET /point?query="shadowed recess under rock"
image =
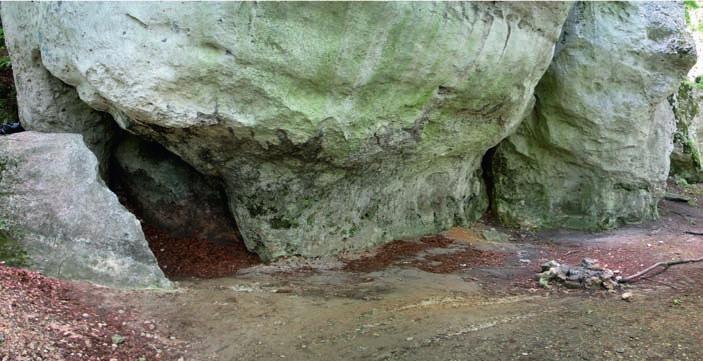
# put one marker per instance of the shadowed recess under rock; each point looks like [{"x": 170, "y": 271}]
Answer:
[{"x": 184, "y": 213}]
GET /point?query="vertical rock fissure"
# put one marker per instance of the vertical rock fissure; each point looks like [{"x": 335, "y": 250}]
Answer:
[{"x": 487, "y": 176}]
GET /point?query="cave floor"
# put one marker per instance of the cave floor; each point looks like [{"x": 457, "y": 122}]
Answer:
[
  {"x": 457, "y": 297},
  {"x": 468, "y": 294}
]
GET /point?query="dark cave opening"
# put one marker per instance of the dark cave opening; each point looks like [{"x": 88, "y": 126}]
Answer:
[
  {"x": 488, "y": 179},
  {"x": 192, "y": 236}
]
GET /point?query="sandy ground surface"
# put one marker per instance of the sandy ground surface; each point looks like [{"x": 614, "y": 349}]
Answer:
[{"x": 452, "y": 297}]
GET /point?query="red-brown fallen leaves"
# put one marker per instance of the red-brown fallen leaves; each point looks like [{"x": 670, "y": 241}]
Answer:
[
  {"x": 192, "y": 257},
  {"x": 47, "y": 319},
  {"x": 182, "y": 257},
  {"x": 456, "y": 261},
  {"x": 398, "y": 252}
]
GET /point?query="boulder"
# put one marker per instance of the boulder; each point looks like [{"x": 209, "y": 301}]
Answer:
[
  {"x": 686, "y": 104},
  {"x": 59, "y": 212},
  {"x": 686, "y": 157},
  {"x": 45, "y": 103},
  {"x": 594, "y": 153},
  {"x": 334, "y": 126},
  {"x": 170, "y": 194}
]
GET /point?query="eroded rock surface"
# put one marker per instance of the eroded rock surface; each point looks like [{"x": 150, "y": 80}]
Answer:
[
  {"x": 45, "y": 103},
  {"x": 686, "y": 156},
  {"x": 594, "y": 153},
  {"x": 334, "y": 126},
  {"x": 56, "y": 207},
  {"x": 686, "y": 104}
]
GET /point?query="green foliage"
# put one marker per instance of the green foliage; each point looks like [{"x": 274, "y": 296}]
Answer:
[
  {"x": 5, "y": 62},
  {"x": 7, "y": 113},
  {"x": 698, "y": 83},
  {"x": 680, "y": 181},
  {"x": 688, "y": 6}
]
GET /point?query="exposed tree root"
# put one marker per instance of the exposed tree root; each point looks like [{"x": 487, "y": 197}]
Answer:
[{"x": 665, "y": 265}]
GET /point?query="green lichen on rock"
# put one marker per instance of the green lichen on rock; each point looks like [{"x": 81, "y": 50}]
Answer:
[
  {"x": 594, "y": 152},
  {"x": 686, "y": 156},
  {"x": 334, "y": 126}
]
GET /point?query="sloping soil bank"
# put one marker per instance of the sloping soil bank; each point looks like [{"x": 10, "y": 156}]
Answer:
[{"x": 48, "y": 319}]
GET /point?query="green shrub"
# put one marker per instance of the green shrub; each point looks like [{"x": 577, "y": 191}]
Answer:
[{"x": 5, "y": 62}]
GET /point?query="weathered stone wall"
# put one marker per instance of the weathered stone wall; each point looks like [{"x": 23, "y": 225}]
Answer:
[
  {"x": 686, "y": 156},
  {"x": 594, "y": 153},
  {"x": 686, "y": 103}
]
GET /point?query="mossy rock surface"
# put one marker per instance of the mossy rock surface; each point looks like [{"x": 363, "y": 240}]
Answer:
[
  {"x": 594, "y": 153},
  {"x": 686, "y": 156}
]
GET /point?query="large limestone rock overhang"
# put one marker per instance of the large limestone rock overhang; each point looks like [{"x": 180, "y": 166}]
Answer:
[{"x": 334, "y": 126}]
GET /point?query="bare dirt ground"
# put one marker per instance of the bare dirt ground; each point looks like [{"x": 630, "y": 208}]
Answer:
[{"x": 456, "y": 296}]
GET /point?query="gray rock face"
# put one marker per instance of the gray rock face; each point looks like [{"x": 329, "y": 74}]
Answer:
[
  {"x": 46, "y": 104},
  {"x": 57, "y": 208},
  {"x": 335, "y": 126},
  {"x": 170, "y": 194},
  {"x": 686, "y": 156},
  {"x": 595, "y": 151},
  {"x": 686, "y": 103}
]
